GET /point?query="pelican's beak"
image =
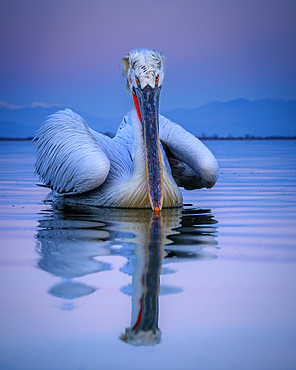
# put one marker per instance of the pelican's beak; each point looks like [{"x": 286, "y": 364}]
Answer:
[{"x": 147, "y": 105}]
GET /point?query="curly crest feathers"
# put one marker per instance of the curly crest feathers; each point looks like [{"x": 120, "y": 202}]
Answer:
[{"x": 144, "y": 62}]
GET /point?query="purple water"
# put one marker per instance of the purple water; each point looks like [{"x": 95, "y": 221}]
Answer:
[{"x": 218, "y": 291}]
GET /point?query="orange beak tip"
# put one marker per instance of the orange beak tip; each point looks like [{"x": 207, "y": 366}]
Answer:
[{"x": 156, "y": 211}]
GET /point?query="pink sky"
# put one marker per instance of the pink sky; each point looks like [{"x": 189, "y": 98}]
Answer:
[{"x": 68, "y": 52}]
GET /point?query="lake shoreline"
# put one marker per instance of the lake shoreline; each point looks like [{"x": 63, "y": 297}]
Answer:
[{"x": 245, "y": 138}]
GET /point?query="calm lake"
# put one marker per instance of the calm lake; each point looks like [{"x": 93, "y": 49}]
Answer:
[{"x": 209, "y": 286}]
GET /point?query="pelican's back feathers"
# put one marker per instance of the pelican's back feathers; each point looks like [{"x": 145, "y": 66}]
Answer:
[
  {"x": 69, "y": 159},
  {"x": 193, "y": 165}
]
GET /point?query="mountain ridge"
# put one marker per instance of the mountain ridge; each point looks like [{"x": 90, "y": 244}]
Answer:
[
  {"x": 237, "y": 117},
  {"x": 240, "y": 117}
]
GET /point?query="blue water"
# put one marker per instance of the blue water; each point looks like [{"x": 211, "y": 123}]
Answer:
[{"x": 209, "y": 286}]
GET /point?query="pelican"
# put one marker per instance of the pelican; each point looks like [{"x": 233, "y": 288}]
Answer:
[{"x": 143, "y": 166}]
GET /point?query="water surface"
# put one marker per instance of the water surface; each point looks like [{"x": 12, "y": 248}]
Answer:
[{"x": 209, "y": 286}]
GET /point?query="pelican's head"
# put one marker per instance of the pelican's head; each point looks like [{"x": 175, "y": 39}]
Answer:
[
  {"x": 144, "y": 70},
  {"x": 143, "y": 67}
]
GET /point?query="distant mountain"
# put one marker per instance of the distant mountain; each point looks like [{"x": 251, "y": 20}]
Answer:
[
  {"x": 24, "y": 121},
  {"x": 240, "y": 117}
]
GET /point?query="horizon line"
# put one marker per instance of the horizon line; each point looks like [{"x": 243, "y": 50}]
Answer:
[{"x": 38, "y": 104}]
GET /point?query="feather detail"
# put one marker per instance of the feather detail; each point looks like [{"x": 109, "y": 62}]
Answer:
[
  {"x": 147, "y": 63},
  {"x": 69, "y": 159},
  {"x": 193, "y": 164}
]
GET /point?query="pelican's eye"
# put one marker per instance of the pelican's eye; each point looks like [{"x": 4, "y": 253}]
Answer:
[
  {"x": 137, "y": 80},
  {"x": 156, "y": 79}
]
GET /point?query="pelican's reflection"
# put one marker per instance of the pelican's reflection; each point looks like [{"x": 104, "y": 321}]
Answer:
[{"x": 69, "y": 241}]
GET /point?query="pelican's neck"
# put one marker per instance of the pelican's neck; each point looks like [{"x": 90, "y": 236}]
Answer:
[
  {"x": 139, "y": 144},
  {"x": 133, "y": 192}
]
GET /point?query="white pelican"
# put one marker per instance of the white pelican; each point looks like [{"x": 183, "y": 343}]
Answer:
[{"x": 141, "y": 167}]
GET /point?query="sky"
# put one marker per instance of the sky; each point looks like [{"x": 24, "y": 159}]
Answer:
[{"x": 67, "y": 52}]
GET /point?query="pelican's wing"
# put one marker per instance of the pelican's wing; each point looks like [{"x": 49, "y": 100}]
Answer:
[
  {"x": 69, "y": 159},
  {"x": 192, "y": 163},
  {"x": 118, "y": 150}
]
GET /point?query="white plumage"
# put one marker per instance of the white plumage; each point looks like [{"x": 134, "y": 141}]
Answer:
[
  {"x": 83, "y": 166},
  {"x": 69, "y": 159}
]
